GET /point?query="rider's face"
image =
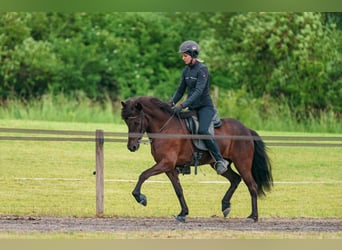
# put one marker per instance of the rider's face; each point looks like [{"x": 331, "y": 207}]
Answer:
[{"x": 186, "y": 58}]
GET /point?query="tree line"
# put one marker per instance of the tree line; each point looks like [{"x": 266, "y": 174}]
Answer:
[{"x": 294, "y": 58}]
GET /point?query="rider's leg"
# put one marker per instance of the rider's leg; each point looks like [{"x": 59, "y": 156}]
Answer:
[{"x": 205, "y": 116}]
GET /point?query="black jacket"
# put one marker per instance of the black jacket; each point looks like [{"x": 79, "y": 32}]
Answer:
[{"x": 196, "y": 79}]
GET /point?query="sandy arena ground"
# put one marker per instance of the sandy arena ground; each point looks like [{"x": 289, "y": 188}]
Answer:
[{"x": 113, "y": 224}]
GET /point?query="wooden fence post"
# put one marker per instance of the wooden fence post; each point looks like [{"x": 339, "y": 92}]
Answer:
[{"x": 99, "y": 173}]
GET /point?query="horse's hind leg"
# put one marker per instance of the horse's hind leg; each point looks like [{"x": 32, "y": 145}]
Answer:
[
  {"x": 253, "y": 190},
  {"x": 234, "y": 179}
]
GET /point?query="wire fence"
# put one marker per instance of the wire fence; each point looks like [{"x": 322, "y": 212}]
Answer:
[{"x": 11, "y": 134}]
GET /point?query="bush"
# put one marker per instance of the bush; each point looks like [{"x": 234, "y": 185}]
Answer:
[
  {"x": 292, "y": 58},
  {"x": 289, "y": 56}
]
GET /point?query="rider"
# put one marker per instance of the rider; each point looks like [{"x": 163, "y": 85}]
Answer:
[{"x": 195, "y": 77}]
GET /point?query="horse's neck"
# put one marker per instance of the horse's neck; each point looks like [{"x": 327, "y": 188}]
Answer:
[{"x": 158, "y": 124}]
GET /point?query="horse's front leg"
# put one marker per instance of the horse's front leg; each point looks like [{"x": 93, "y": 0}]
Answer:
[
  {"x": 155, "y": 170},
  {"x": 173, "y": 176}
]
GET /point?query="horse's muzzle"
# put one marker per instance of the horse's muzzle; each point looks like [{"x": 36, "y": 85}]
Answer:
[{"x": 133, "y": 146}]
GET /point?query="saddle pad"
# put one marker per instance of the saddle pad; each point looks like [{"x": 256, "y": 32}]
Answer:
[{"x": 193, "y": 125}]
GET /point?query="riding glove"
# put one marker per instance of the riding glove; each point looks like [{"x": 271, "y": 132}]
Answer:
[{"x": 177, "y": 109}]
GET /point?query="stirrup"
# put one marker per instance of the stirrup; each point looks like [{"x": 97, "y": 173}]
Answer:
[
  {"x": 184, "y": 169},
  {"x": 221, "y": 166}
]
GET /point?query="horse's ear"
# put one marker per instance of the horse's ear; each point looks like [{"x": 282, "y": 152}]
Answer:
[
  {"x": 123, "y": 104},
  {"x": 138, "y": 106}
]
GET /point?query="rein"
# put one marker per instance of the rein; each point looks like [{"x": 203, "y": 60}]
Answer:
[
  {"x": 166, "y": 123},
  {"x": 142, "y": 117},
  {"x": 142, "y": 114}
]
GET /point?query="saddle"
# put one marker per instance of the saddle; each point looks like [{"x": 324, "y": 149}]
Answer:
[
  {"x": 191, "y": 120},
  {"x": 192, "y": 125}
]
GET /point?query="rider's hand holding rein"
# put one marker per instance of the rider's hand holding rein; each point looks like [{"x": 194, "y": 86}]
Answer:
[{"x": 177, "y": 109}]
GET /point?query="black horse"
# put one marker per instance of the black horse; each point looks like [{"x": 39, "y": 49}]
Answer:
[{"x": 239, "y": 144}]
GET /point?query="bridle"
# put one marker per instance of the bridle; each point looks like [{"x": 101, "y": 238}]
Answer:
[{"x": 142, "y": 129}]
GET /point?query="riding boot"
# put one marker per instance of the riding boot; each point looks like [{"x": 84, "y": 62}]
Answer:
[{"x": 221, "y": 165}]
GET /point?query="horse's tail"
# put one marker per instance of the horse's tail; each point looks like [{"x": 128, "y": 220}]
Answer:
[{"x": 261, "y": 168}]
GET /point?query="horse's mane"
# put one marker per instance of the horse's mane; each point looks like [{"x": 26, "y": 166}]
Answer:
[
  {"x": 126, "y": 109},
  {"x": 131, "y": 103},
  {"x": 165, "y": 107}
]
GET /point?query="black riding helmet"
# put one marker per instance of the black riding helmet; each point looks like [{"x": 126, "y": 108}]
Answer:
[{"x": 190, "y": 47}]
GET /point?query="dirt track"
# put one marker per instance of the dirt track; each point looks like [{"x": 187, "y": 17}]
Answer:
[{"x": 112, "y": 224}]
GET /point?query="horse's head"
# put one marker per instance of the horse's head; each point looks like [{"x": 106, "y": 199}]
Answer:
[
  {"x": 144, "y": 114},
  {"x": 133, "y": 115}
]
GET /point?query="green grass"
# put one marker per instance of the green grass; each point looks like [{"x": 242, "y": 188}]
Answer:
[
  {"x": 267, "y": 114},
  {"x": 255, "y": 113},
  {"x": 49, "y": 177},
  {"x": 55, "y": 178},
  {"x": 60, "y": 108}
]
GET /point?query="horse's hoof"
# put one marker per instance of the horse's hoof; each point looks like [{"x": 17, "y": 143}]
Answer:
[
  {"x": 251, "y": 219},
  {"x": 180, "y": 218},
  {"x": 226, "y": 212},
  {"x": 143, "y": 200}
]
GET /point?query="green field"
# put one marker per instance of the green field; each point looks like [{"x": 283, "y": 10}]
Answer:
[{"x": 55, "y": 178}]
